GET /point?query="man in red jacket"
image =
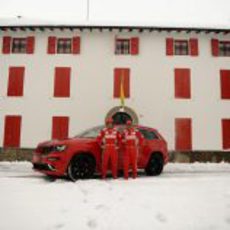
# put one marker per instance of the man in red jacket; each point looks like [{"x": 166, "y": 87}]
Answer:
[
  {"x": 109, "y": 138},
  {"x": 132, "y": 139}
]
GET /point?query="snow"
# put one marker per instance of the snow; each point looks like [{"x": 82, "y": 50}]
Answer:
[{"x": 185, "y": 196}]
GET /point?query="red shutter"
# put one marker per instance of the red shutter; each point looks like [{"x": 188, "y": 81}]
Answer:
[
  {"x": 225, "y": 84},
  {"x": 60, "y": 127},
  {"x": 12, "y": 131},
  {"x": 169, "y": 46},
  {"x": 226, "y": 133},
  {"x": 182, "y": 83},
  {"x": 183, "y": 134},
  {"x": 30, "y": 45},
  {"x": 51, "y": 45},
  {"x": 6, "y": 45},
  {"x": 118, "y": 72},
  {"x": 134, "y": 45},
  {"x": 193, "y": 46},
  {"x": 62, "y": 82},
  {"x": 16, "y": 81},
  {"x": 215, "y": 47},
  {"x": 76, "y": 45}
]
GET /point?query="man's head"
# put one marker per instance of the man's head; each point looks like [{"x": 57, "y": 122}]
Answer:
[
  {"x": 109, "y": 122},
  {"x": 129, "y": 124}
]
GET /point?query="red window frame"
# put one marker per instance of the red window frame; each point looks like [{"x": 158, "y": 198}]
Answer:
[
  {"x": 62, "y": 82},
  {"x": 118, "y": 73},
  {"x": 60, "y": 127},
  {"x": 12, "y": 131},
  {"x": 16, "y": 81},
  {"x": 183, "y": 134},
  {"x": 182, "y": 82},
  {"x": 225, "y": 84}
]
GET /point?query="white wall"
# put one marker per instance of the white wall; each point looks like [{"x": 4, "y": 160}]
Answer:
[{"x": 152, "y": 86}]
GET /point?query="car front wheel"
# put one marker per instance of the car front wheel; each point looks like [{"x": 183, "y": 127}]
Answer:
[
  {"x": 155, "y": 165},
  {"x": 81, "y": 167}
]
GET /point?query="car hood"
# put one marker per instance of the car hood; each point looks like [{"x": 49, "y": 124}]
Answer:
[{"x": 67, "y": 141}]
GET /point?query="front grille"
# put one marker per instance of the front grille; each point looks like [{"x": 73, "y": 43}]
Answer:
[{"x": 45, "y": 167}]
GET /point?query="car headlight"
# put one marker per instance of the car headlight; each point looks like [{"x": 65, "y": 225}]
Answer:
[{"x": 60, "y": 148}]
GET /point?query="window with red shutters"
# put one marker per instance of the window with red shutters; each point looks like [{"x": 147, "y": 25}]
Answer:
[
  {"x": 16, "y": 81},
  {"x": 182, "y": 47},
  {"x": 62, "y": 82},
  {"x": 182, "y": 83},
  {"x": 121, "y": 79},
  {"x": 63, "y": 45},
  {"x": 226, "y": 133},
  {"x": 225, "y": 84},
  {"x": 60, "y": 127},
  {"x": 6, "y": 46},
  {"x": 183, "y": 134},
  {"x": 127, "y": 46},
  {"x": 220, "y": 48},
  {"x": 12, "y": 131}
]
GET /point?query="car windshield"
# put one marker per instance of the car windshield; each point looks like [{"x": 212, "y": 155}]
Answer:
[
  {"x": 91, "y": 133},
  {"x": 94, "y": 132}
]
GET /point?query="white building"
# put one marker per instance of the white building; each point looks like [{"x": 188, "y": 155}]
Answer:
[{"x": 56, "y": 81}]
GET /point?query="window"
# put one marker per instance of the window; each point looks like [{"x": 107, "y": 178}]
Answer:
[
  {"x": 220, "y": 48},
  {"x": 224, "y": 48},
  {"x": 182, "y": 83},
  {"x": 226, "y": 133},
  {"x": 182, "y": 47},
  {"x": 60, "y": 127},
  {"x": 122, "y": 46},
  {"x": 149, "y": 135},
  {"x": 121, "y": 82},
  {"x": 18, "y": 45},
  {"x": 15, "y": 82},
  {"x": 63, "y": 45},
  {"x": 12, "y": 131},
  {"x": 183, "y": 134},
  {"x": 62, "y": 82},
  {"x": 127, "y": 46}
]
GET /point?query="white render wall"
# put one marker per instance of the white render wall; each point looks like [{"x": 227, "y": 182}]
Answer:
[{"x": 91, "y": 95}]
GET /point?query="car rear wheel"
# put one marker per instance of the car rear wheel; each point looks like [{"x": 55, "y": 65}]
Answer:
[
  {"x": 155, "y": 165},
  {"x": 81, "y": 167}
]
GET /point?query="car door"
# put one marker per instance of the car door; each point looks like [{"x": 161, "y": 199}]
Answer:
[{"x": 151, "y": 142}]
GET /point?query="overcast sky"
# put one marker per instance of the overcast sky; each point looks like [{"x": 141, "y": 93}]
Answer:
[{"x": 200, "y": 12}]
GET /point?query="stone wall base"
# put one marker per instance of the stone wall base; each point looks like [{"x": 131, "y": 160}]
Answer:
[{"x": 14, "y": 154}]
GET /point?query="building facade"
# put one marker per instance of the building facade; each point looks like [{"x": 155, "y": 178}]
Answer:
[{"x": 56, "y": 81}]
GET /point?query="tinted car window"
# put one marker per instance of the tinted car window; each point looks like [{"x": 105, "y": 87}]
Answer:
[
  {"x": 91, "y": 133},
  {"x": 149, "y": 135}
]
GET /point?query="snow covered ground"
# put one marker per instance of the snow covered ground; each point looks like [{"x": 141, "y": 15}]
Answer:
[{"x": 185, "y": 196}]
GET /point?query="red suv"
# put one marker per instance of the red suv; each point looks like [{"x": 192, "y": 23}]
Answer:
[{"x": 80, "y": 157}]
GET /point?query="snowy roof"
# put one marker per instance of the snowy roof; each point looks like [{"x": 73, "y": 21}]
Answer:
[{"x": 19, "y": 22}]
